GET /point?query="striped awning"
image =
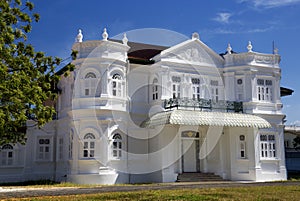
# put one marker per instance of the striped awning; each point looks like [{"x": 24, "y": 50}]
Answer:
[{"x": 204, "y": 118}]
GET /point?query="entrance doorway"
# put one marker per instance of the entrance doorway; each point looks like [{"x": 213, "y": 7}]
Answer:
[{"x": 190, "y": 152}]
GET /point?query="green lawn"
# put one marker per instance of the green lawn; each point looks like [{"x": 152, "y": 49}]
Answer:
[{"x": 236, "y": 193}]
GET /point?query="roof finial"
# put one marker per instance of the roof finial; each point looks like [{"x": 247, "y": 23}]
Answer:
[
  {"x": 249, "y": 47},
  {"x": 229, "y": 49},
  {"x": 79, "y": 37},
  {"x": 195, "y": 35},
  {"x": 125, "y": 39},
  {"x": 104, "y": 34}
]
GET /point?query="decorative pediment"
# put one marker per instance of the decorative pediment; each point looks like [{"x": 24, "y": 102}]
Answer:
[{"x": 192, "y": 52}]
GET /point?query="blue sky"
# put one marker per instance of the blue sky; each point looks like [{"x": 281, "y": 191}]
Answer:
[{"x": 218, "y": 22}]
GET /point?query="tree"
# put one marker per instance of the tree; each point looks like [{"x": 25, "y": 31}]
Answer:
[
  {"x": 296, "y": 142},
  {"x": 27, "y": 78}
]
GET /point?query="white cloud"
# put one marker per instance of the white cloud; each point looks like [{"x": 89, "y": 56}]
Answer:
[
  {"x": 223, "y": 17},
  {"x": 270, "y": 3},
  {"x": 238, "y": 31},
  {"x": 296, "y": 123}
]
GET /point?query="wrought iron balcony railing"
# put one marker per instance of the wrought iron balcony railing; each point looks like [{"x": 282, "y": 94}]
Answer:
[{"x": 203, "y": 104}]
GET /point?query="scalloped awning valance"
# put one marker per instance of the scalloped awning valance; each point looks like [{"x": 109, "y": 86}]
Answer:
[{"x": 203, "y": 118}]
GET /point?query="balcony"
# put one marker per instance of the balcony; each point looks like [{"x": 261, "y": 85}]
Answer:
[
  {"x": 252, "y": 58},
  {"x": 204, "y": 104}
]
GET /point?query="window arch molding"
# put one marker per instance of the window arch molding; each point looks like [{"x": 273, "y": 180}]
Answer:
[
  {"x": 90, "y": 72},
  {"x": 116, "y": 70},
  {"x": 90, "y": 75}
]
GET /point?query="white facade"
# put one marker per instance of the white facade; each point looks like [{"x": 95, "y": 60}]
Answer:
[{"x": 119, "y": 120}]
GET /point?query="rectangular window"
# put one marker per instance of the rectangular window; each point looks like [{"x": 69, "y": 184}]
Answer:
[
  {"x": 176, "y": 91},
  {"x": 268, "y": 146},
  {"x": 87, "y": 92},
  {"x": 154, "y": 92},
  {"x": 114, "y": 86},
  {"x": 6, "y": 157},
  {"x": 44, "y": 149},
  {"x": 264, "y": 90},
  {"x": 89, "y": 148},
  {"x": 196, "y": 92},
  {"x": 60, "y": 148},
  {"x": 117, "y": 88},
  {"x": 215, "y": 94},
  {"x": 214, "y": 90},
  {"x": 243, "y": 150},
  {"x": 71, "y": 146}
]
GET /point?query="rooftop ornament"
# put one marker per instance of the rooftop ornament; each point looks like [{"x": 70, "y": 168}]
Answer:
[
  {"x": 229, "y": 49},
  {"x": 125, "y": 39},
  {"x": 249, "y": 46},
  {"x": 79, "y": 37},
  {"x": 105, "y": 34},
  {"x": 195, "y": 35}
]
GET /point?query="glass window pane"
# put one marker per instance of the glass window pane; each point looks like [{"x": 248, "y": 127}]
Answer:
[
  {"x": 85, "y": 153},
  {"x": 9, "y": 162},
  {"x": 92, "y": 145},
  {"x": 86, "y": 145},
  {"x": 92, "y": 153}
]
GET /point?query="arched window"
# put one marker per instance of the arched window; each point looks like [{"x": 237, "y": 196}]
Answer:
[
  {"x": 116, "y": 146},
  {"x": 117, "y": 85},
  {"x": 155, "y": 89},
  {"x": 7, "y": 155},
  {"x": 90, "y": 84},
  {"x": 89, "y": 146}
]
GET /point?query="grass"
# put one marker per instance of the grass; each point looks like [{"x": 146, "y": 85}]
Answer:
[
  {"x": 235, "y": 193},
  {"x": 280, "y": 192}
]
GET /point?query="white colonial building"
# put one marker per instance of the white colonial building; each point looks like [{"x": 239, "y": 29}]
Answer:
[{"x": 133, "y": 112}]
